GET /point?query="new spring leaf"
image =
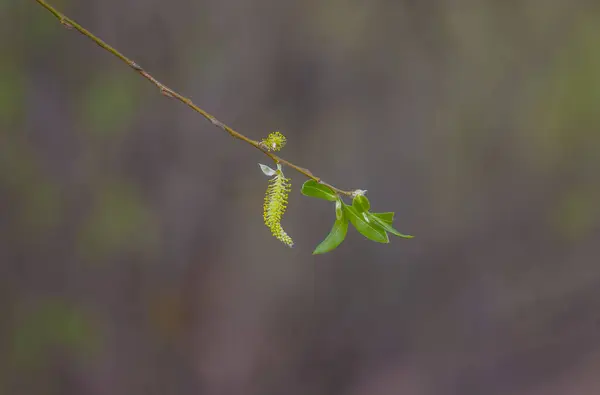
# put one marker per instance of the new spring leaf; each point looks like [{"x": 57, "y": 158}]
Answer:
[
  {"x": 312, "y": 188},
  {"x": 336, "y": 236},
  {"x": 370, "y": 229}
]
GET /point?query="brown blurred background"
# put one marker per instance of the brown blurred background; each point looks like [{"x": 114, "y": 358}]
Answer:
[{"x": 133, "y": 258}]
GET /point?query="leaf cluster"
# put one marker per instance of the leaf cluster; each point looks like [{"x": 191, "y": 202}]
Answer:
[{"x": 373, "y": 226}]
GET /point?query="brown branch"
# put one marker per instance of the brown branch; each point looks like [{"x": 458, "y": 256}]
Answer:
[{"x": 165, "y": 90}]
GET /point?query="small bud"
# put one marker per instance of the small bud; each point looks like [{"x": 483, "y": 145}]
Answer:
[
  {"x": 359, "y": 192},
  {"x": 267, "y": 170}
]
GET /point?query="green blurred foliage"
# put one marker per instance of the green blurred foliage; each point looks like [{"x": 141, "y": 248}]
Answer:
[
  {"x": 12, "y": 92},
  {"x": 577, "y": 213},
  {"x": 562, "y": 123},
  {"x": 564, "y": 114},
  {"x": 49, "y": 326},
  {"x": 37, "y": 198},
  {"x": 119, "y": 223},
  {"x": 109, "y": 104}
]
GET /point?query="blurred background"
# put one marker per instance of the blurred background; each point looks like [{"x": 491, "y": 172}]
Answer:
[{"x": 133, "y": 257}]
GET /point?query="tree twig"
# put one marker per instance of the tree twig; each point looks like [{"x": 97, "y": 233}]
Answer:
[{"x": 165, "y": 90}]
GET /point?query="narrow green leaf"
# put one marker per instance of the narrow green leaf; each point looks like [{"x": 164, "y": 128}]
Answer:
[
  {"x": 385, "y": 217},
  {"x": 314, "y": 189},
  {"x": 334, "y": 238},
  {"x": 361, "y": 203},
  {"x": 387, "y": 226},
  {"x": 372, "y": 230}
]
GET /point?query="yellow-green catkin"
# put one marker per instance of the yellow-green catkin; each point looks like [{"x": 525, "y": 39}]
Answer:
[
  {"x": 276, "y": 200},
  {"x": 274, "y": 141}
]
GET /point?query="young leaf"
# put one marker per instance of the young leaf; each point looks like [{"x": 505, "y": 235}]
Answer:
[
  {"x": 385, "y": 217},
  {"x": 314, "y": 189},
  {"x": 339, "y": 213},
  {"x": 387, "y": 226},
  {"x": 361, "y": 203},
  {"x": 266, "y": 170},
  {"x": 334, "y": 238},
  {"x": 365, "y": 216},
  {"x": 371, "y": 230}
]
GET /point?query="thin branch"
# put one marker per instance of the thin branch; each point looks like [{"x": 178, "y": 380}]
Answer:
[{"x": 165, "y": 90}]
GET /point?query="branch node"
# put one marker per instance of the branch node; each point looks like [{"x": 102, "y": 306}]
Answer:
[
  {"x": 65, "y": 23},
  {"x": 217, "y": 123},
  {"x": 165, "y": 91},
  {"x": 136, "y": 66}
]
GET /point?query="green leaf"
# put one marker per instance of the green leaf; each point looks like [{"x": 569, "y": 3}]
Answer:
[
  {"x": 385, "y": 217},
  {"x": 334, "y": 238},
  {"x": 314, "y": 189},
  {"x": 361, "y": 203},
  {"x": 387, "y": 225},
  {"x": 372, "y": 230}
]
